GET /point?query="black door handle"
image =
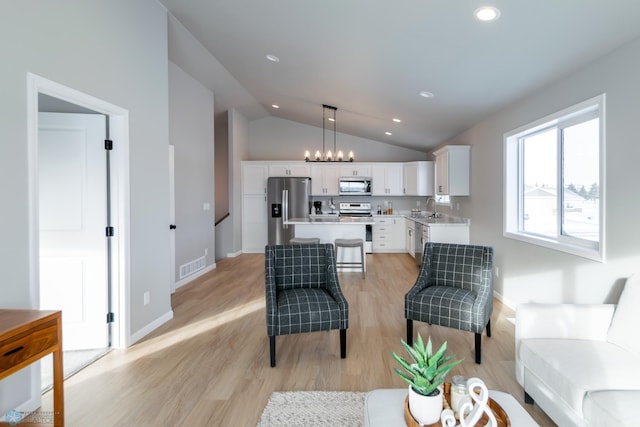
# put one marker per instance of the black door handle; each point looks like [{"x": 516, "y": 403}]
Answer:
[{"x": 172, "y": 227}]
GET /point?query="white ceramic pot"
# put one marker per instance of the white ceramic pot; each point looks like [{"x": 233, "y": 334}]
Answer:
[{"x": 425, "y": 409}]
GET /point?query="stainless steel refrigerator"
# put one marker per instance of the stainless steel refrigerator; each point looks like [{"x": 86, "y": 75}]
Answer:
[{"x": 287, "y": 198}]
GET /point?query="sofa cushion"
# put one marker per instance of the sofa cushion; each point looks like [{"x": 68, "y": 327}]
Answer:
[
  {"x": 626, "y": 318},
  {"x": 611, "y": 408},
  {"x": 574, "y": 367}
]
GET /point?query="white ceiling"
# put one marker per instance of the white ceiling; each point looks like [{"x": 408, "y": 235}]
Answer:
[{"x": 371, "y": 58}]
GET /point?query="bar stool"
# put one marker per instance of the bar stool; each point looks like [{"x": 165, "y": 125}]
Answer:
[
  {"x": 305, "y": 240},
  {"x": 350, "y": 243}
]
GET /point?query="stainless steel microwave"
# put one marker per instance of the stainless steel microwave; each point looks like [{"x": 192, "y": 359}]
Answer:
[{"x": 354, "y": 186}]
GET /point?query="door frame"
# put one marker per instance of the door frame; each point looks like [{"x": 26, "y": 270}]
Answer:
[
  {"x": 120, "y": 216},
  {"x": 172, "y": 218}
]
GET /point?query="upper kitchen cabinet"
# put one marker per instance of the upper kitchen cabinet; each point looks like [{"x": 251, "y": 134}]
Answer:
[
  {"x": 324, "y": 179},
  {"x": 355, "y": 169},
  {"x": 387, "y": 179},
  {"x": 418, "y": 178},
  {"x": 452, "y": 170},
  {"x": 254, "y": 177},
  {"x": 289, "y": 169}
]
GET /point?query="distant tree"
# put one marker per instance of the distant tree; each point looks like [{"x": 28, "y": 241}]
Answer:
[
  {"x": 583, "y": 192},
  {"x": 572, "y": 187},
  {"x": 594, "y": 191}
]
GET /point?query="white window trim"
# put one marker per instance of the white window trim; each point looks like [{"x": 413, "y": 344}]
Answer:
[{"x": 511, "y": 199}]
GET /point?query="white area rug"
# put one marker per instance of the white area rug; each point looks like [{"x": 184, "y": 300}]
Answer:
[{"x": 314, "y": 408}]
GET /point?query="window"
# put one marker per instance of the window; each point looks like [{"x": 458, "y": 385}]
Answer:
[
  {"x": 442, "y": 199},
  {"x": 553, "y": 191}
]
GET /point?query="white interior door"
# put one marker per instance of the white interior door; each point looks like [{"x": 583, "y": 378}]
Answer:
[{"x": 72, "y": 212}]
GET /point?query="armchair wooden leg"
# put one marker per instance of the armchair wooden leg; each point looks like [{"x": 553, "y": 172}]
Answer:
[
  {"x": 272, "y": 350},
  {"x": 478, "y": 349},
  {"x": 343, "y": 343},
  {"x": 489, "y": 328},
  {"x": 409, "y": 331}
]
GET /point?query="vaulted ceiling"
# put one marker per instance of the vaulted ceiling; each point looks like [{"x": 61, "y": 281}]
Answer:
[{"x": 372, "y": 58}]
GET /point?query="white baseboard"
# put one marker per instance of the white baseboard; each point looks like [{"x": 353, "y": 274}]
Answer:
[
  {"x": 234, "y": 254},
  {"x": 504, "y": 301},
  {"x": 151, "y": 327},
  {"x": 195, "y": 275}
]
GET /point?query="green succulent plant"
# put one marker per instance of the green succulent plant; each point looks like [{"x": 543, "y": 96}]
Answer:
[{"x": 429, "y": 370}]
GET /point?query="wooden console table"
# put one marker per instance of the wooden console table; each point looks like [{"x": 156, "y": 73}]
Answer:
[{"x": 25, "y": 337}]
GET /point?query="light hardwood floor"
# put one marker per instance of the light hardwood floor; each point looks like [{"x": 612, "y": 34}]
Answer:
[{"x": 209, "y": 366}]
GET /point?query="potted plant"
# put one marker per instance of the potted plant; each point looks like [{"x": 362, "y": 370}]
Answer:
[{"x": 425, "y": 377}]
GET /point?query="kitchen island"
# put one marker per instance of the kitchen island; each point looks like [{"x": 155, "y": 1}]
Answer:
[{"x": 329, "y": 228}]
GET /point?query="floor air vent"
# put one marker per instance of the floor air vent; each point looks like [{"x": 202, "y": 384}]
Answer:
[{"x": 193, "y": 266}]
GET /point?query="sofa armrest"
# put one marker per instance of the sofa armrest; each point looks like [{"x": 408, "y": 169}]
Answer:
[
  {"x": 563, "y": 321},
  {"x": 560, "y": 321}
]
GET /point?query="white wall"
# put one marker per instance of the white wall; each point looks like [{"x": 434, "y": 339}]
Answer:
[
  {"x": 191, "y": 132},
  {"x": 533, "y": 273},
  {"x": 115, "y": 51},
  {"x": 272, "y": 138},
  {"x": 239, "y": 140}
]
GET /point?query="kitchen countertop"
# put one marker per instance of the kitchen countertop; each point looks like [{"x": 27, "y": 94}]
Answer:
[
  {"x": 428, "y": 219},
  {"x": 442, "y": 220},
  {"x": 332, "y": 220}
]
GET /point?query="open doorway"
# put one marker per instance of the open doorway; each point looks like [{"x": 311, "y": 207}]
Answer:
[
  {"x": 80, "y": 220},
  {"x": 74, "y": 255}
]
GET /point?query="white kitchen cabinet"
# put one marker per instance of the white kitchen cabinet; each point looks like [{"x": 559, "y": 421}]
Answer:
[
  {"x": 254, "y": 177},
  {"x": 435, "y": 232},
  {"x": 444, "y": 233},
  {"x": 355, "y": 169},
  {"x": 289, "y": 169},
  {"x": 254, "y": 206},
  {"x": 389, "y": 234},
  {"x": 410, "y": 243},
  {"x": 387, "y": 179},
  {"x": 254, "y": 223},
  {"x": 418, "y": 178},
  {"x": 452, "y": 170},
  {"x": 324, "y": 179}
]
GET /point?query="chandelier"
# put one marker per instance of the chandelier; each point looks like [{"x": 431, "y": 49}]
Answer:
[{"x": 328, "y": 156}]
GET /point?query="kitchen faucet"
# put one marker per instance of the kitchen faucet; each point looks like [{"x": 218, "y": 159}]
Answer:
[{"x": 435, "y": 207}]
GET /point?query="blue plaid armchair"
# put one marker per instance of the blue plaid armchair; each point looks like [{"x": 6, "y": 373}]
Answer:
[
  {"x": 454, "y": 289},
  {"x": 303, "y": 293}
]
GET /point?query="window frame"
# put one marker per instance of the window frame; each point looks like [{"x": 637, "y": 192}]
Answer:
[{"x": 513, "y": 188}]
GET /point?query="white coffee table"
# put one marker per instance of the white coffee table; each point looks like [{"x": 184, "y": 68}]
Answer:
[{"x": 385, "y": 408}]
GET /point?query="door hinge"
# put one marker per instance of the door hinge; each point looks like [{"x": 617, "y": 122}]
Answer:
[
  {"x": 108, "y": 144},
  {"x": 110, "y": 318},
  {"x": 109, "y": 231}
]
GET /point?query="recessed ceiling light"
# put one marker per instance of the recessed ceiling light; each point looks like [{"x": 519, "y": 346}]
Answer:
[
  {"x": 397, "y": 120},
  {"x": 331, "y": 119},
  {"x": 276, "y": 106},
  {"x": 487, "y": 13},
  {"x": 273, "y": 58},
  {"x": 426, "y": 94},
  {"x": 388, "y": 133}
]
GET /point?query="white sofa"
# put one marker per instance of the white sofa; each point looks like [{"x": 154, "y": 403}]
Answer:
[{"x": 581, "y": 363}]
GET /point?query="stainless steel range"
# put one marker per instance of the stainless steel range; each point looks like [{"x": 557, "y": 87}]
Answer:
[
  {"x": 359, "y": 209},
  {"x": 355, "y": 209}
]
